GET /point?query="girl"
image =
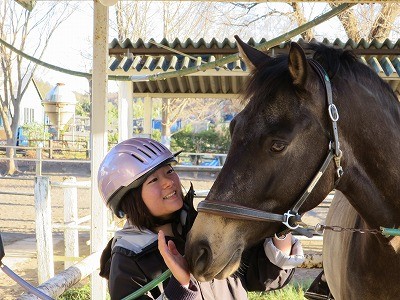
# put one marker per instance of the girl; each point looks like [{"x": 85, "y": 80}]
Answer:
[{"x": 136, "y": 179}]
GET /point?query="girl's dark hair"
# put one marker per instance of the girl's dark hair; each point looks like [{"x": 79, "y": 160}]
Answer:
[{"x": 136, "y": 211}]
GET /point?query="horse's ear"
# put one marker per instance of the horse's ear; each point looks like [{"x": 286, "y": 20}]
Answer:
[
  {"x": 251, "y": 56},
  {"x": 297, "y": 64}
]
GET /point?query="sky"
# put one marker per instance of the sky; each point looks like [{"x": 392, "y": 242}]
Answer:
[{"x": 65, "y": 49}]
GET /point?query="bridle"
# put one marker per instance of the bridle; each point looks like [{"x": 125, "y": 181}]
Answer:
[{"x": 291, "y": 219}]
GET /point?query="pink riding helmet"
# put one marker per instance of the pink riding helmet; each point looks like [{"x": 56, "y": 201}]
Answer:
[{"x": 127, "y": 166}]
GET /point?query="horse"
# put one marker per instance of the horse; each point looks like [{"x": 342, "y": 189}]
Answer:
[{"x": 289, "y": 150}]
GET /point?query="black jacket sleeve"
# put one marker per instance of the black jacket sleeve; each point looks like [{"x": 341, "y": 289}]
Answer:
[{"x": 260, "y": 274}]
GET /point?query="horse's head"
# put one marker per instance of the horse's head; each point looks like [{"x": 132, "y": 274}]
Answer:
[{"x": 279, "y": 141}]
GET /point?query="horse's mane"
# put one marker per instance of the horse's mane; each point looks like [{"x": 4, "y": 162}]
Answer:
[
  {"x": 274, "y": 74},
  {"x": 347, "y": 65}
]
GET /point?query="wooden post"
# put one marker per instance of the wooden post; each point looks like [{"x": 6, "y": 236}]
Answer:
[
  {"x": 39, "y": 161},
  {"x": 44, "y": 237},
  {"x": 50, "y": 148},
  {"x": 87, "y": 150},
  {"x": 71, "y": 238},
  {"x": 147, "y": 116},
  {"x": 98, "y": 232},
  {"x": 124, "y": 98}
]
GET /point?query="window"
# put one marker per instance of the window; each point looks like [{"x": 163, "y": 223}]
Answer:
[{"x": 29, "y": 115}]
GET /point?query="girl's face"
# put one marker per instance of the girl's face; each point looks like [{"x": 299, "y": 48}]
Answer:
[{"x": 162, "y": 192}]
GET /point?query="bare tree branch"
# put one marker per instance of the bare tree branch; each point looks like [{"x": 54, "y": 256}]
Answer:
[
  {"x": 16, "y": 26},
  {"x": 350, "y": 23},
  {"x": 298, "y": 15},
  {"x": 384, "y": 22}
]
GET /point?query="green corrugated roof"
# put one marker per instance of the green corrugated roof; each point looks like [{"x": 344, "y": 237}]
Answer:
[{"x": 146, "y": 58}]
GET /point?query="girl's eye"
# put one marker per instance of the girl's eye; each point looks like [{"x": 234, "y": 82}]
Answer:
[
  {"x": 278, "y": 147},
  {"x": 152, "y": 180},
  {"x": 170, "y": 171}
]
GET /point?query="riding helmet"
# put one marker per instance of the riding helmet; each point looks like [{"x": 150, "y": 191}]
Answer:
[{"x": 127, "y": 165}]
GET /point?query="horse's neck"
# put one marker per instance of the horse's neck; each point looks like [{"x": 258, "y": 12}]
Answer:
[
  {"x": 377, "y": 207},
  {"x": 370, "y": 144}
]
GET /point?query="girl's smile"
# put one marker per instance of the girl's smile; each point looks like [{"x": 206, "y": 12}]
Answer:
[{"x": 162, "y": 192}]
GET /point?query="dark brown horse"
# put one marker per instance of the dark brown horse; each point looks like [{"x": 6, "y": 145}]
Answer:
[{"x": 287, "y": 145}]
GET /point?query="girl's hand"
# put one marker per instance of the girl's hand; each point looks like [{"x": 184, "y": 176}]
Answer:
[{"x": 174, "y": 260}]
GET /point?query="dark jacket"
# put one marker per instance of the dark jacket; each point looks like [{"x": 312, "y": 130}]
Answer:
[{"x": 132, "y": 259}]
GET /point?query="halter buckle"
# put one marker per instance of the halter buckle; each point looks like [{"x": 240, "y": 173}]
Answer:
[{"x": 286, "y": 220}]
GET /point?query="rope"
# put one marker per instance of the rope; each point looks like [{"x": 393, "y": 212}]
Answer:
[
  {"x": 390, "y": 231},
  {"x": 56, "y": 68},
  {"x": 152, "y": 284}
]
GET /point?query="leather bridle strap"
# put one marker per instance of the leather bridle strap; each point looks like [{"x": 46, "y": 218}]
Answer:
[
  {"x": 235, "y": 211},
  {"x": 332, "y": 110},
  {"x": 315, "y": 180}
]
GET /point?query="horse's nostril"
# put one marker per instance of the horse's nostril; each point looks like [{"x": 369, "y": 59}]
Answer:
[{"x": 203, "y": 259}]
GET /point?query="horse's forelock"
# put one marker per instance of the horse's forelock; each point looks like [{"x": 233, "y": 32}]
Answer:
[{"x": 267, "y": 79}]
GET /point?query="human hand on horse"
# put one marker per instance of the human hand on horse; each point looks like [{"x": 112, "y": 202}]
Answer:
[
  {"x": 283, "y": 243},
  {"x": 174, "y": 260}
]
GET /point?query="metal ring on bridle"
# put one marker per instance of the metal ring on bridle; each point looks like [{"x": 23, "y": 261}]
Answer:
[{"x": 333, "y": 112}]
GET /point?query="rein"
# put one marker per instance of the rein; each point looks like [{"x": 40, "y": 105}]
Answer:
[{"x": 291, "y": 219}]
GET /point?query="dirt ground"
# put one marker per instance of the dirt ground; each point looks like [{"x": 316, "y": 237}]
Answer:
[{"x": 17, "y": 219}]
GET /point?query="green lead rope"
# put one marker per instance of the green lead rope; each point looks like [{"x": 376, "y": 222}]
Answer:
[
  {"x": 390, "y": 231},
  {"x": 151, "y": 285}
]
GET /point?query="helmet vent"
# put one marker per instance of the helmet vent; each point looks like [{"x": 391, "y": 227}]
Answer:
[
  {"x": 145, "y": 153},
  {"x": 151, "y": 149},
  {"x": 137, "y": 157},
  {"x": 158, "y": 147}
]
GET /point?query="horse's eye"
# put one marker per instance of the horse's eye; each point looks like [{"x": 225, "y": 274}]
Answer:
[{"x": 278, "y": 146}]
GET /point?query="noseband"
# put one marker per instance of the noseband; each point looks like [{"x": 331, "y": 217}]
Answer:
[{"x": 291, "y": 219}]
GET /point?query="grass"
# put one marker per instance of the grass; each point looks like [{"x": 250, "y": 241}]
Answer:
[
  {"x": 81, "y": 293},
  {"x": 293, "y": 291}
]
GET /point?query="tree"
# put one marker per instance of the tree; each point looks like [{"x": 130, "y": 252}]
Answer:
[
  {"x": 187, "y": 109},
  {"x": 30, "y": 32},
  {"x": 372, "y": 21},
  {"x": 368, "y": 21},
  {"x": 135, "y": 19},
  {"x": 131, "y": 20}
]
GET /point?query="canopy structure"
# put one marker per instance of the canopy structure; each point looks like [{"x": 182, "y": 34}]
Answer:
[{"x": 143, "y": 58}]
